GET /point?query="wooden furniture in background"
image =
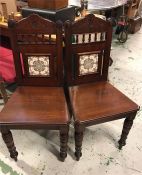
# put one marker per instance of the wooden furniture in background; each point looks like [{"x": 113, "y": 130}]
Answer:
[
  {"x": 135, "y": 24},
  {"x": 133, "y": 8},
  {"x": 4, "y": 31},
  {"x": 93, "y": 99},
  {"x": 39, "y": 100},
  {"x": 48, "y": 4},
  {"x": 7, "y": 6}
]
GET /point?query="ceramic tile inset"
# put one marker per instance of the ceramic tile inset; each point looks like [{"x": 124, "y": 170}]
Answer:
[
  {"x": 38, "y": 65},
  {"x": 88, "y": 64}
]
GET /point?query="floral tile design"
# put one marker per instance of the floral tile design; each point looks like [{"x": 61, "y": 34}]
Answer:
[
  {"x": 88, "y": 64},
  {"x": 38, "y": 65}
]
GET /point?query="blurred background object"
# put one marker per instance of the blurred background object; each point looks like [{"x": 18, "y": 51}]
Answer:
[{"x": 7, "y": 7}]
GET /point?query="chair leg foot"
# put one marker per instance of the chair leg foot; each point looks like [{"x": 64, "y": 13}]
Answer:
[
  {"x": 78, "y": 141},
  {"x": 126, "y": 129},
  {"x": 63, "y": 142},
  {"x": 78, "y": 154},
  {"x": 8, "y": 139}
]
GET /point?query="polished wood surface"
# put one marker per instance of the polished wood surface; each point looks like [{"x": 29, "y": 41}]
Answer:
[
  {"x": 92, "y": 99},
  {"x": 35, "y": 105},
  {"x": 39, "y": 101},
  {"x": 50, "y": 4},
  {"x": 8, "y": 139},
  {"x": 99, "y": 101}
]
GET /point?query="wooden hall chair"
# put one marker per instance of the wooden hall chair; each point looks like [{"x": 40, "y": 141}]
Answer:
[
  {"x": 93, "y": 99},
  {"x": 39, "y": 101}
]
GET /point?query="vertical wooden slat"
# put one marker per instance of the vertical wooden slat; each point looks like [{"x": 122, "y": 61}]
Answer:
[
  {"x": 50, "y": 38},
  {"x": 42, "y": 37},
  {"x": 101, "y": 37},
  {"x": 36, "y": 38},
  {"x": 76, "y": 39},
  {"x": 83, "y": 38},
  {"x": 89, "y": 39},
  {"x": 95, "y": 38}
]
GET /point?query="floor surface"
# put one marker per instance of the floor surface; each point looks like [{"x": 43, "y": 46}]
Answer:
[{"x": 38, "y": 150}]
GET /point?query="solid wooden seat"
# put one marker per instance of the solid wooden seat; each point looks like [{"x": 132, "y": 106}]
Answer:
[
  {"x": 94, "y": 101},
  {"x": 91, "y": 98},
  {"x": 39, "y": 101},
  {"x": 36, "y": 105}
]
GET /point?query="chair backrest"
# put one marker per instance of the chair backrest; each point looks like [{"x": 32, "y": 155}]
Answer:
[
  {"x": 37, "y": 51},
  {"x": 87, "y": 53}
]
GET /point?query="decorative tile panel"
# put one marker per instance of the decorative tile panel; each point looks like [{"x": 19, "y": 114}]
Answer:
[
  {"x": 38, "y": 65},
  {"x": 88, "y": 64}
]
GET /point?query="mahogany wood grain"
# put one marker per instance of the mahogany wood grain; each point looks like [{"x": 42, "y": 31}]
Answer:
[
  {"x": 31, "y": 105},
  {"x": 91, "y": 98},
  {"x": 26, "y": 39},
  {"x": 8, "y": 139},
  {"x": 99, "y": 100},
  {"x": 39, "y": 101}
]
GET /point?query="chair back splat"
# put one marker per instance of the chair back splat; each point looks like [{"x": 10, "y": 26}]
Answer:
[
  {"x": 88, "y": 43},
  {"x": 36, "y": 54}
]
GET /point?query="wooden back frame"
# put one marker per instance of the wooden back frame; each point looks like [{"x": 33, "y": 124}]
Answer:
[
  {"x": 32, "y": 37},
  {"x": 91, "y": 26}
]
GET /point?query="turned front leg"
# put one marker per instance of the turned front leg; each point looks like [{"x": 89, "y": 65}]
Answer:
[
  {"x": 8, "y": 139},
  {"x": 78, "y": 140},
  {"x": 126, "y": 129},
  {"x": 63, "y": 142}
]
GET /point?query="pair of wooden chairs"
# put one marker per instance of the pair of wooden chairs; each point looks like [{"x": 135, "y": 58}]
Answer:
[{"x": 52, "y": 88}]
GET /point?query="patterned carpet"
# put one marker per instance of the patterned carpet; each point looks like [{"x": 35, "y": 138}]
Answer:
[{"x": 38, "y": 150}]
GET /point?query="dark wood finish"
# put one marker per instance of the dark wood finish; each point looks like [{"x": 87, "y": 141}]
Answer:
[
  {"x": 93, "y": 100},
  {"x": 29, "y": 39},
  {"x": 39, "y": 101},
  {"x": 43, "y": 105},
  {"x": 48, "y": 4},
  {"x": 135, "y": 24},
  {"x": 79, "y": 130},
  {"x": 63, "y": 142},
  {"x": 5, "y": 36},
  {"x": 4, "y": 31},
  {"x": 88, "y": 25},
  {"x": 8, "y": 139},
  {"x": 99, "y": 100},
  {"x": 126, "y": 128}
]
